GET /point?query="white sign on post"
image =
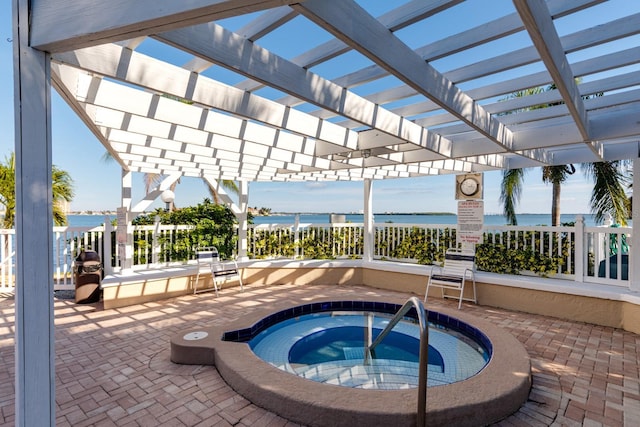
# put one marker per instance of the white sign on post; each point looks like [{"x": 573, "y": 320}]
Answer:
[
  {"x": 121, "y": 230},
  {"x": 470, "y": 221},
  {"x": 121, "y": 236}
]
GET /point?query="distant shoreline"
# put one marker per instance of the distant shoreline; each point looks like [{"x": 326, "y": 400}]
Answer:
[
  {"x": 111, "y": 213},
  {"x": 399, "y": 218},
  {"x": 354, "y": 213},
  {"x": 400, "y": 213},
  {"x": 93, "y": 213}
]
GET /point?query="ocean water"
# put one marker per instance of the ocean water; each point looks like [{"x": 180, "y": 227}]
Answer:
[
  {"x": 324, "y": 218},
  {"x": 523, "y": 219},
  {"x": 88, "y": 220}
]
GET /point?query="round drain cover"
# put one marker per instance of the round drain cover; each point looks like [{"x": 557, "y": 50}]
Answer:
[{"x": 197, "y": 335}]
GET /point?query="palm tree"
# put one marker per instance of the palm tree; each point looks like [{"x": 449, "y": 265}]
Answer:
[
  {"x": 556, "y": 175},
  {"x": 510, "y": 192},
  {"x": 607, "y": 197},
  {"x": 228, "y": 184},
  {"x": 62, "y": 190}
]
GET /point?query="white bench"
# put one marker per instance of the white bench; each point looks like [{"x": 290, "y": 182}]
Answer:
[
  {"x": 209, "y": 262},
  {"x": 457, "y": 268}
]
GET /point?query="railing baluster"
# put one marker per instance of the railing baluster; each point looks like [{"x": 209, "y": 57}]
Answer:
[{"x": 602, "y": 255}]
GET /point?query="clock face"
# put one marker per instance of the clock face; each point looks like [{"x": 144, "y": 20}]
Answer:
[{"x": 469, "y": 186}]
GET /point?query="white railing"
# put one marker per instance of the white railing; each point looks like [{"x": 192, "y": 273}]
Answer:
[
  {"x": 7, "y": 256},
  {"x": 396, "y": 241},
  {"x": 154, "y": 246},
  {"x": 579, "y": 253},
  {"x": 337, "y": 240},
  {"x": 68, "y": 242},
  {"x": 606, "y": 255},
  {"x": 552, "y": 247}
]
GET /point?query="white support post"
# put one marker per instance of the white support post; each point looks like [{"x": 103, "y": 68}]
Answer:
[
  {"x": 367, "y": 253},
  {"x": 242, "y": 221},
  {"x": 580, "y": 249},
  {"x": 106, "y": 246},
  {"x": 125, "y": 236},
  {"x": 634, "y": 251},
  {"x": 34, "y": 335},
  {"x": 156, "y": 239},
  {"x": 296, "y": 236}
]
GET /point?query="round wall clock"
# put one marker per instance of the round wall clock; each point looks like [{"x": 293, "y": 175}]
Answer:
[{"x": 469, "y": 186}]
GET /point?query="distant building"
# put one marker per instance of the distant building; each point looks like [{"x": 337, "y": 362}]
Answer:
[{"x": 64, "y": 206}]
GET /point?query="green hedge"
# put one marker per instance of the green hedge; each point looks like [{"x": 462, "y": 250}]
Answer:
[{"x": 505, "y": 252}]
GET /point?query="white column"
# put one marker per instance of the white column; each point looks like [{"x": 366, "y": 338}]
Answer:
[
  {"x": 242, "y": 221},
  {"x": 296, "y": 234},
  {"x": 156, "y": 241},
  {"x": 106, "y": 245},
  {"x": 580, "y": 249},
  {"x": 34, "y": 336},
  {"x": 367, "y": 254},
  {"x": 124, "y": 232},
  {"x": 634, "y": 251}
]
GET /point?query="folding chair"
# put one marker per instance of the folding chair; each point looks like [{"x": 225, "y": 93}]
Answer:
[
  {"x": 209, "y": 261},
  {"x": 458, "y": 267}
]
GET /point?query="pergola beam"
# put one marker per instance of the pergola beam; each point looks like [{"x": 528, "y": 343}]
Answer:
[
  {"x": 459, "y": 42},
  {"x": 539, "y": 25},
  {"x": 213, "y": 42},
  {"x": 619, "y": 28},
  {"x": 349, "y": 22},
  {"x": 111, "y": 105},
  {"x": 63, "y": 25},
  {"x": 156, "y": 192},
  {"x": 394, "y": 20},
  {"x": 259, "y": 27},
  {"x": 120, "y": 63},
  {"x": 218, "y": 187}
]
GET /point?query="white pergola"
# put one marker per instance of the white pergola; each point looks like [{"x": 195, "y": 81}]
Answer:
[{"x": 294, "y": 90}]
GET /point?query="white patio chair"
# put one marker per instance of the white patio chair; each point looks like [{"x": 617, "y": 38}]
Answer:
[
  {"x": 221, "y": 272},
  {"x": 458, "y": 267}
]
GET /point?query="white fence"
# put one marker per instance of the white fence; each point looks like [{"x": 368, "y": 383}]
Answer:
[{"x": 579, "y": 253}]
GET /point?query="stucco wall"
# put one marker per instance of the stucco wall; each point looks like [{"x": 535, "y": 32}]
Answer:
[{"x": 571, "y": 306}]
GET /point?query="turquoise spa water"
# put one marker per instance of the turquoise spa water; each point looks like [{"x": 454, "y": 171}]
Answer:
[{"x": 330, "y": 348}]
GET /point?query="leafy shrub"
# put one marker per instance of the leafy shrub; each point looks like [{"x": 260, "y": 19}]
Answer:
[
  {"x": 426, "y": 246},
  {"x": 500, "y": 259},
  {"x": 214, "y": 225}
]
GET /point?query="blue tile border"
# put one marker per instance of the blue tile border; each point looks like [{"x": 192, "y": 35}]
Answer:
[{"x": 434, "y": 317}]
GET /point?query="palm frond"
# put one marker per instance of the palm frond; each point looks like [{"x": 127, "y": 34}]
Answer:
[
  {"x": 608, "y": 194},
  {"x": 510, "y": 192}
]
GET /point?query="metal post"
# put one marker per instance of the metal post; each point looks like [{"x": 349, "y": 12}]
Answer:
[{"x": 423, "y": 358}]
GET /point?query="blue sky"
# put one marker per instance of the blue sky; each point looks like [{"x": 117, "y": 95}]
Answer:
[{"x": 97, "y": 183}]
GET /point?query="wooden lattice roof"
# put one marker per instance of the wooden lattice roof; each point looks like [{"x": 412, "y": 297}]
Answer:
[{"x": 342, "y": 90}]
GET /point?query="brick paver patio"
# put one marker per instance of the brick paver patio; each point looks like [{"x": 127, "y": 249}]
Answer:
[{"x": 113, "y": 368}]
